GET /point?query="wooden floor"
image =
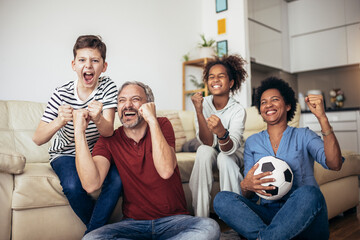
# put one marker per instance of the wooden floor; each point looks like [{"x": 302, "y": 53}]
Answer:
[{"x": 346, "y": 226}]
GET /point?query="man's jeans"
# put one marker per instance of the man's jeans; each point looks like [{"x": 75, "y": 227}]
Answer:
[
  {"x": 92, "y": 213},
  {"x": 303, "y": 215},
  {"x": 174, "y": 227}
]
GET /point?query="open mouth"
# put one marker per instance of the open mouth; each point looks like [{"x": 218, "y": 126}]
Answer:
[
  {"x": 129, "y": 113},
  {"x": 270, "y": 112},
  {"x": 88, "y": 77},
  {"x": 216, "y": 86}
]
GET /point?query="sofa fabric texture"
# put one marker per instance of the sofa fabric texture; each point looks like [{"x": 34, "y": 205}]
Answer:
[{"x": 34, "y": 206}]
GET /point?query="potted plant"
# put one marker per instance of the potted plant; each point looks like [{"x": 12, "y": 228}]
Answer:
[{"x": 206, "y": 47}]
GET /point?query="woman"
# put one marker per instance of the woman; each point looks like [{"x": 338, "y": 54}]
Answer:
[
  {"x": 302, "y": 212},
  {"x": 220, "y": 125}
]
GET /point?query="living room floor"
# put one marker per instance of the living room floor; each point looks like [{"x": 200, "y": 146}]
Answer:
[{"x": 345, "y": 226}]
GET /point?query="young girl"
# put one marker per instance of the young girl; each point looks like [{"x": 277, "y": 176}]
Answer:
[{"x": 220, "y": 125}]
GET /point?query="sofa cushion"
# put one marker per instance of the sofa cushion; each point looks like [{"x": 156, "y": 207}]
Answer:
[
  {"x": 175, "y": 120},
  {"x": 18, "y": 122},
  {"x": 188, "y": 123},
  {"x": 185, "y": 162},
  {"x": 37, "y": 187},
  {"x": 351, "y": 166},
  {"x": 11, "y": 161},
  {"x": 191, "y": 146}
]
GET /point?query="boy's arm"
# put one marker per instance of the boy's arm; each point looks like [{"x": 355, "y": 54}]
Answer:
[
  {"x": 45, "y": 131},
  {"x": 105, "y": 121},
  {"x": 163, "y": 154},
  {"x": 91, "y": 170}
]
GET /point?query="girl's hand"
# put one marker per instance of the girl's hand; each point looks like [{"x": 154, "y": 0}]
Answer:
[
  {"x": 197, "y": 100},
  {"x": 215, "y": 126}
]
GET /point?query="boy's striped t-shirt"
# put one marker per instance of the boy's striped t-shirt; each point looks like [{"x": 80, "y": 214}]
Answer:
[{"x": 64, "y": 141}]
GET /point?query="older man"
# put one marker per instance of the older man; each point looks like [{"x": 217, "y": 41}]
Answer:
[{"x": 154, "y": 205}]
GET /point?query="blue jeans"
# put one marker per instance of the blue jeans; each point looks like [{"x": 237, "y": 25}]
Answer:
[
  {"x": 302, "y": 216},
  {"x": 173, "y": 227},
  {"x": 92, "y": 213}
]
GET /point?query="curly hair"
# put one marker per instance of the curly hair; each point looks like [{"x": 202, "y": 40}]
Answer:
[
  {"x": 285, "y": 90},
  {"x": 234, "y": 65}
]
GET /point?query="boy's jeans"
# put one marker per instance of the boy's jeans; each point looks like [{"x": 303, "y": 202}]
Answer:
[
  {"x": 173, "y": 227},
  {"x": 92, "y": 213},
  {"x": 303, "y": 215}
]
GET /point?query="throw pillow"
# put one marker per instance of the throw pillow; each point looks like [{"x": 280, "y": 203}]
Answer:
[
  {"x": 191, "y": 145},
  {"x": 180, "y": 137}
]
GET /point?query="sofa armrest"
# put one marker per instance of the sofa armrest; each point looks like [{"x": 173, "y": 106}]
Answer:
[
  {"x": 351, "y": 166},
  {"x": 11, "y": 161}
]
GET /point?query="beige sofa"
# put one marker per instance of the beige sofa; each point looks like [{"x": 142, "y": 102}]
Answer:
[{"x": 34, "y": 207}]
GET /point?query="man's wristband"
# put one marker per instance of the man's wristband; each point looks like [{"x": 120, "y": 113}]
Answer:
[
  {"x": 328, "y": 132},
  {"x": 225, "y": 135}
]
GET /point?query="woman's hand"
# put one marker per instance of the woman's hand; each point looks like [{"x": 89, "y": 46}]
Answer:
[
  {"x": 316, "y": 105},
  {"x": 252, "y": 183}
]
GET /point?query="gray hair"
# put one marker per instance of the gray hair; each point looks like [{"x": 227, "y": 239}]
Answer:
[{"x": 147, "y": 89}]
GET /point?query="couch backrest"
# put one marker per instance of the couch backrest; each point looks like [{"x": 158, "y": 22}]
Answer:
[{"x": 18, "y": 122}]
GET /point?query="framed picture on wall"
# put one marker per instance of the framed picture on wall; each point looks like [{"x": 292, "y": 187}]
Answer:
[
  {"x": 221, "y": 5},
  {"x": 222, "y": 48}
]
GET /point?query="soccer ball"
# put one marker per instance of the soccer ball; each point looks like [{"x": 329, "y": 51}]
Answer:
[{"x": 281, "y": 173}]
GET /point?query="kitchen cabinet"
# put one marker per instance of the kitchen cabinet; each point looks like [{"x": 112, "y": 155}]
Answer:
[
  {"x": 265, "y": 45},
  {"x": 352, "y": 11},
  {"x": 197, "y": 63},
  {"x": 307, "y": 16},
  {"x": 353, "y": 43},
  {"x": 267, "y": 12},
  {"x": 346, "y": 125},
  {"x": 323, "y": 34},
  {"x": 319, "y": 50}
]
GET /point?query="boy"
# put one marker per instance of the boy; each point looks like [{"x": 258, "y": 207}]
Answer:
[{"x": 99, "y": 96}]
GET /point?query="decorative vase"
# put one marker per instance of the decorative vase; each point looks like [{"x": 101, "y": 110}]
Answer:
[{"x": 206, "y": 52}]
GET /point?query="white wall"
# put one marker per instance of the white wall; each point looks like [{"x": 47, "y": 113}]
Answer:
[
  {"x": 236, "y": 34},
  {"x": 145, "y": 39}
]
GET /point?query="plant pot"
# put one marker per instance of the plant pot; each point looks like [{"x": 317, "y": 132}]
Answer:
[{"x": 206, "y": 52}]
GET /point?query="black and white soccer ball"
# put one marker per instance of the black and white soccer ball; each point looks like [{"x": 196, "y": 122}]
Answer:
[{"x": 281, "y": 172}]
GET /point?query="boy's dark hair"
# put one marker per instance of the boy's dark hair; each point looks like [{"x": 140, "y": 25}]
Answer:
[
  {"x": 234, "y": 65},
  {"x": 90, "y": 41},
  {"x": 285, "y": 90}
]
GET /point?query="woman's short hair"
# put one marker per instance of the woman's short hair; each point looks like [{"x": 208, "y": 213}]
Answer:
[{"x": 285, "y": 90}]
